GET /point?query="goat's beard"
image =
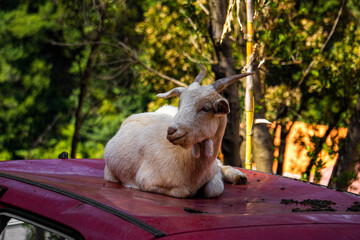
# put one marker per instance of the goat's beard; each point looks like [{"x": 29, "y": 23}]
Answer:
[
  {"x": 208, "y": 146},
  {"x": 185, "y": 142}
]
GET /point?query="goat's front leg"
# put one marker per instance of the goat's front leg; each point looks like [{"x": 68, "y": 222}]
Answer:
[
  {"x": 215, "y": 186},
  {"x": 231, "y": 175}
]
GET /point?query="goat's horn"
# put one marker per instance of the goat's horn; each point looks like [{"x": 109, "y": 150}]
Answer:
[
  {"x": 222, "y": 83},
  {"x": 173, "y": 92},
  {"x": 201, "y": 74}
]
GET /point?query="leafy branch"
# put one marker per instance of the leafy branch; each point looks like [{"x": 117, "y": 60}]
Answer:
[{"x": 129, "y": 52}]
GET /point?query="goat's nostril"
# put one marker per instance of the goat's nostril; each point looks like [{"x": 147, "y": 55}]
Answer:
[{"x": 171, "y": 130}]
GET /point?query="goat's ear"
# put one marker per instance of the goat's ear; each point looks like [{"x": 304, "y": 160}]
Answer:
[
  {"x": 173, "y": 92},
  {"x": 221, "y": 107}
]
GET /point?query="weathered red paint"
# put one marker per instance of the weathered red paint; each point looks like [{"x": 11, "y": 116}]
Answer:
[{"x": 245, "y": 211}]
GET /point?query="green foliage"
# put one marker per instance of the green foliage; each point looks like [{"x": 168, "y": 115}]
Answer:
[
  {"x": 297, "y": 36},
  {"x": 28, "y": 82},
  {"x": 293, "y": 38},
  {"x": 44, "y": 50},
  {"x": 175, "y": 34}
]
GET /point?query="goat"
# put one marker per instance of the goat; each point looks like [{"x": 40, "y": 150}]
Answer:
[{"x": 174, "y": 151}]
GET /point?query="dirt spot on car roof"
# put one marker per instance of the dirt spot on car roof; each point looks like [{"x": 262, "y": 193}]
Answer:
[
  {"x": 314, "y": 204},
  {"x": 354, "y": 208},
  {"x": 190, "y": 210}
]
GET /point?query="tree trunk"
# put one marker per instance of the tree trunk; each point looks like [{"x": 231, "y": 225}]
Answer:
[
  {"x": 344, "y": 170},
  {"x": 283, "y": 136},
  {"x": 224, "y": 68},
  {"x": 249, "y": 90},
  {"x": 262, "y": 141},
  {"x": 84, "y": 81}
]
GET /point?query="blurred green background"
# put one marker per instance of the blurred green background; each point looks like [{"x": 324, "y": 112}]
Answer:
[{"x": 72, "y": 71}]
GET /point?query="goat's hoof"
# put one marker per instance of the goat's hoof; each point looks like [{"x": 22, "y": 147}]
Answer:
[
  {"x": 239, "y": 180},
  {"x": 233, "y": 176}
]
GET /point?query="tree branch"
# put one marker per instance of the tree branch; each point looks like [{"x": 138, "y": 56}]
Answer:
[
  {"x": 130, "y": 52},
  {"x": 324, "y": 44},
  {"x": 47, "y": 129},
  {"x": 203, "y": 7},
  {"x": 177, "y": 82}
]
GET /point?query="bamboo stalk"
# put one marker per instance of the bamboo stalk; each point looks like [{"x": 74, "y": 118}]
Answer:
[{"x": 249, "y": 96}]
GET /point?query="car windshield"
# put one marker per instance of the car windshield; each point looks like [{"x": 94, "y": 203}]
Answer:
[{"x": 24, "y": 230}]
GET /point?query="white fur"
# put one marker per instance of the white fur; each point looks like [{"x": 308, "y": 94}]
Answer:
[
  {"x": 142, "y": 155},
  {"x": 167, "y": 109},
  {"x": 215, "y": 186}
]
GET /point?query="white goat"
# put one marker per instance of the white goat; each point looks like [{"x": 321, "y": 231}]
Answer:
[{"x": 173, "y": 152}]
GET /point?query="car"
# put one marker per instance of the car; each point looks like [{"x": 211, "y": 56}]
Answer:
[{"x": 69, "y": 199}]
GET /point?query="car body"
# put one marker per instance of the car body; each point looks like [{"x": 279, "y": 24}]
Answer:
[{"x": 70, "y": 197}]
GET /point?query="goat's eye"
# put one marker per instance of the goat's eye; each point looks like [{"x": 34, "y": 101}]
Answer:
[{"x": 205, "y": 109}]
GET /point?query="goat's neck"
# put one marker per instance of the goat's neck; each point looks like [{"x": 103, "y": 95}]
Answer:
[{"x": 207, "y": 150}]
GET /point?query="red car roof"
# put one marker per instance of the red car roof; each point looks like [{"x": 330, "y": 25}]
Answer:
[{"x": 267, "y": 204}]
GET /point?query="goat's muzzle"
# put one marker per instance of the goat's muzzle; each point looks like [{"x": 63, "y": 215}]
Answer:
[
  {"x": 171, "y": 131},
  {"x": 175, "y": 136}
]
